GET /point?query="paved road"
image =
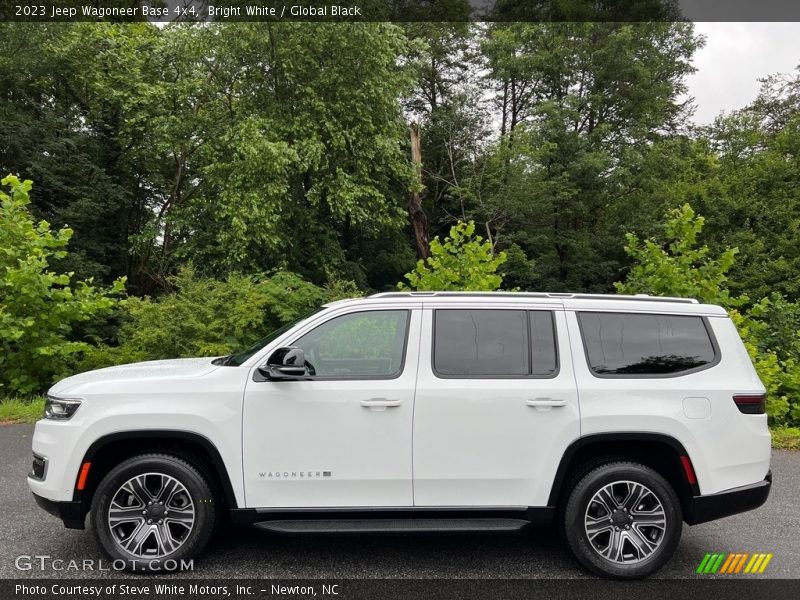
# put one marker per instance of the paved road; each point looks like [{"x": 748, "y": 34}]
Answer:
[{"x": 250, "y": 553}]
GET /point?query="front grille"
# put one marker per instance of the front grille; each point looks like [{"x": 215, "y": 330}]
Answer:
[{"x": 38, "y": 468}]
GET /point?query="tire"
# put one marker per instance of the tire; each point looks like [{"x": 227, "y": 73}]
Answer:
[
  {"x": 640, "y": 532},
  {"x": 131, "y": 514}
]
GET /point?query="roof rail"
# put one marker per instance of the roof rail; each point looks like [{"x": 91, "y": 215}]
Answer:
[{"x": 561, "y": 295}]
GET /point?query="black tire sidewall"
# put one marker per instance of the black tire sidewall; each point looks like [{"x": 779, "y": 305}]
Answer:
[
  {"x": 582, "y": 493},
  {"x": 186, "y": 474}
]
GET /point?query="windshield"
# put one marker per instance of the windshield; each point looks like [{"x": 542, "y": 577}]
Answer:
[{"x": 237, "y": 358}]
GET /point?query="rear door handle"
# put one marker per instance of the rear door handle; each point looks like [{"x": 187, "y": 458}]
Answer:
[
  {"x": 380, "y": 403},
  {"x": 545, "y": 403}
]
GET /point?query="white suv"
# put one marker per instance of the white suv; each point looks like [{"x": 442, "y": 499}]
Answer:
[{"x": 616, "y": 417}]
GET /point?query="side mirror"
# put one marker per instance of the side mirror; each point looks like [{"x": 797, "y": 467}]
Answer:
[{"x": 285, "y": 363}]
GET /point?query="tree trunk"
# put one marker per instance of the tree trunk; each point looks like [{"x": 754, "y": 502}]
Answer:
[{"x": 419, "y": 221}]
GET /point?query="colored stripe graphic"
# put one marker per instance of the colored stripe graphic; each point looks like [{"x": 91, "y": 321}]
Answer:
[
  {"x": 757, "y": 566},
  {"x": 740, "y": 564},
  {"x": 734, "y": 563},
  {"x": 719, "y": 562},
  {"x": 764, "y": 564},
  {"x": 728, "y": 562},
  {"x": 703, "y": 563},
  {"x": 752, "y": 562}
]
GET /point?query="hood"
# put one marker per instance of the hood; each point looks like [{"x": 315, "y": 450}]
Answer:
[{"x": 178, "y": 368}]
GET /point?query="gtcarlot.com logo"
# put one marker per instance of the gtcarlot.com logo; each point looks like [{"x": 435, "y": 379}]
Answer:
[
  {"x": 44, "y": 562},
  {"x": 734, "y": 563}
]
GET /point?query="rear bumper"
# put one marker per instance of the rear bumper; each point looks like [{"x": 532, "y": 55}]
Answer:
[
  {"x": 702, "y": 509},
  {"x": 71, "y": 513}
]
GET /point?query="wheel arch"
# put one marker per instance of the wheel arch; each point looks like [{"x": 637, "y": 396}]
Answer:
[
  {"x": 661, "y": 452},
  {"x": 111, "y": 449}
]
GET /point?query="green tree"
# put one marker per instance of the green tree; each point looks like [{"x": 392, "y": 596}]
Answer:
[
  {"x": 463, "y": 262},
  {"x": 39, "y": 309},
  {"x": 581, "y": 106},
  {"x": 238, "y": 147},
  {"x": 445, "y": 103},
  {"x": 753, "y": 201},
  {"x": 679, "y": 266},
  {"x": 62, "y": 91},
  {"x": 310, "y": 162}
]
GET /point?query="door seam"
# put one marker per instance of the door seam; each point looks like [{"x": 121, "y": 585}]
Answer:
[{"x": 414, "y": 403}]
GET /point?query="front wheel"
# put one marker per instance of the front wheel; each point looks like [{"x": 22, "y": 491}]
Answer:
[
  {"x": 151, "y": 509},
  {"x": 623, "y": 520}
]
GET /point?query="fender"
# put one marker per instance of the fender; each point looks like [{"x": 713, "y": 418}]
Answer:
[
  {"x": 621, "y": 436},
  {"x": 168, "y": 434}
]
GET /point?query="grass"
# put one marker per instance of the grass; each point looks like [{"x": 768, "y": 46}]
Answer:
[
  {"x": 29, "y": 410},
  {"x": 21, "y": 410},
  {"x": 786, "y": 438}
]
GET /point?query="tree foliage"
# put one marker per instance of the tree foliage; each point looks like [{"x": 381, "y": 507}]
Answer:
[
  {"x": 463, "y": 262},
  {"x": 238, "y": 148},
  {"x": 40, "y": 310},
  {"x": 244, "y": 156},
  {"x": 679, "y": 266},
  {"x": 210, "y": 317}
]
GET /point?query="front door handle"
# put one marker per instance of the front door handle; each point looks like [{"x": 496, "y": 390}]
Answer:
[
  {"x": 380, "y": 403},
  {"x": 545, "y": 403}
]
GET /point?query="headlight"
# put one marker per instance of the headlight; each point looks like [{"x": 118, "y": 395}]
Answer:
[{"x": 60, "y": 408}]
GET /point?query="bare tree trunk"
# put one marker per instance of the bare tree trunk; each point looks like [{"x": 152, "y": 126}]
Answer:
[
  {"x": 504, "y": 124},
  {"x": 419, "y": 221}
]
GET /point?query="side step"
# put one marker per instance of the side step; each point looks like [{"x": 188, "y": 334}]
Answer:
[{"x": 391, "y": 525}]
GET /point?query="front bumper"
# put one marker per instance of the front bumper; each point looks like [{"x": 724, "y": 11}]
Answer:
[
  {"x": 702, "y": 509},
  {"x": 70, "y": 512}
]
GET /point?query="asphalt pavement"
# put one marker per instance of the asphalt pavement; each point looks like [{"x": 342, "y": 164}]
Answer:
[{"x": 250, "y": 553}]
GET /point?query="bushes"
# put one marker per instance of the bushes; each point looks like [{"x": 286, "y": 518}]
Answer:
[
  {"x": 40, "y": 310},
  {"x": 462, "y": 262},
  {"x": 208, "y": 317},
  {"x": 46, "y": 317}
]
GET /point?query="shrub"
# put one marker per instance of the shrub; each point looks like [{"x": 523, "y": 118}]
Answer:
[
  {"x": 209, "y": 317},
  {"x": 39, "y": 308},
  {"x": 463, "y": 262}
]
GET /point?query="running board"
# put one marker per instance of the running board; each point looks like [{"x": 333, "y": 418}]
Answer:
[
  {"x": 476, "y": 516},
  {"x": 391, "y": 525}
]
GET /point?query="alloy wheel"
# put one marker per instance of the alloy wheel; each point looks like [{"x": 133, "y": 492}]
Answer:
[
  {"x": 625, "y": 522},
  {"x": 151, "y": 515}
]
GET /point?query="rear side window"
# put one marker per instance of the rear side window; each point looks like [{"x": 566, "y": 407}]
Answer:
[
  {"x": 630, "y": 345},
  {"x": 494, "y": 343}
]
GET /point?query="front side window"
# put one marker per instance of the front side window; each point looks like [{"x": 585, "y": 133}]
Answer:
[
  {"x": 494, "y": 343},
  {"x": 628, "y": 344},
  {"x": 369, "y": 344}
]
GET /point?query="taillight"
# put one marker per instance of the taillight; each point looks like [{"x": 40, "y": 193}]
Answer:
[{"x": 751, "y": 404}]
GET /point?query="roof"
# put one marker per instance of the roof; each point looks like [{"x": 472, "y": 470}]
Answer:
[
  {"x": 609, "y": 302},
  {"x": 561, "y": 295}
]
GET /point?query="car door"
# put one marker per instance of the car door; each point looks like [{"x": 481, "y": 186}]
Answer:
[
  {"x": 496, "y": 405},
  {"x": 341, "y": 436}
]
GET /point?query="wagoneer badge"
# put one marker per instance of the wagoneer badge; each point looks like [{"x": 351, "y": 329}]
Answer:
[{"x": 294, "y": 474}]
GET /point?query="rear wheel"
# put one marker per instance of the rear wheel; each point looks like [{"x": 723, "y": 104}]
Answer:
[
  {"x": 623, "y": 520},
  {"x": 151, "y": 509}
]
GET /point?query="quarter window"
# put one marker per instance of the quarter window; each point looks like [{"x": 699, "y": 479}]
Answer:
[
  {"x": 544, "y": 360},
  {"x": 368, "y": 344},
  {"x": 645, "y": 344},
  {"x": 493, "y": 343}
]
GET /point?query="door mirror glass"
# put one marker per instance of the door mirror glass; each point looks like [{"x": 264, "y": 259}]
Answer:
[{"x": 285, "y": 363}]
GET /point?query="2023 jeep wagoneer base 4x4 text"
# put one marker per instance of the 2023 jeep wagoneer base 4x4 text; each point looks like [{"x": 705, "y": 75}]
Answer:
[{"x": 616, "y": 417}]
